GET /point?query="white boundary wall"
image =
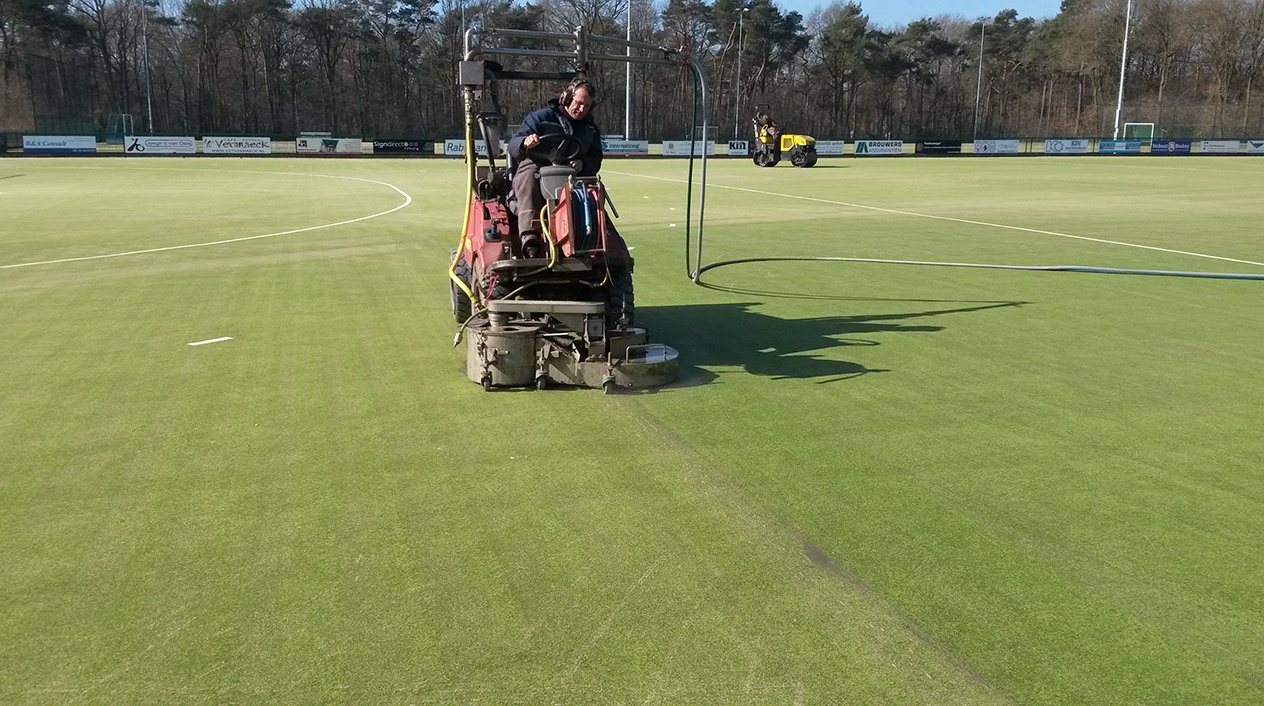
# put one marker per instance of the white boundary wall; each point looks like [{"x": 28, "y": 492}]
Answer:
[
  {"x": 1077, "y": 145},
  {"x": 1219, "y": 146},
  {"x": 680, "y": 148},
  {"x": 237, "y": 145},
  {"x": 866, "y": 148},
  {"x": 59, "y": 144},
  {"x": 831, "y": 148},
  {"x": 996, "y": 146},
  {"x": 147, "y": 145}
]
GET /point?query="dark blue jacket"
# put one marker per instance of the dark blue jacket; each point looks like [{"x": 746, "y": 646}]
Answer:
[{"x": 553, "y": 120}]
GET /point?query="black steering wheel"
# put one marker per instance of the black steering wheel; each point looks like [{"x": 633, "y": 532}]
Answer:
[{"x": 556, "y": 148}]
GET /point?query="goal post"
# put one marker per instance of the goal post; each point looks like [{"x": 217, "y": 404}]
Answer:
[
  {"x": 706, "y": 133},
  {"x": 1140, "y": 131}
]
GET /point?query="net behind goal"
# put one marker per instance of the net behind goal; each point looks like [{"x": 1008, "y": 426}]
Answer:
[{"x": 1140, "y": 131}]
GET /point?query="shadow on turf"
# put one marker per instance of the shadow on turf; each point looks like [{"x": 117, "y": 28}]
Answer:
[{"x": 732, "y": 335}]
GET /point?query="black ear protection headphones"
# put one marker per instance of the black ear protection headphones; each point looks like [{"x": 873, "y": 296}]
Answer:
[{"x": 568, "y": 93}]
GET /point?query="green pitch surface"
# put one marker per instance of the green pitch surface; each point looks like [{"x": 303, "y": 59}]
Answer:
[{"x": 873, "y": 484}]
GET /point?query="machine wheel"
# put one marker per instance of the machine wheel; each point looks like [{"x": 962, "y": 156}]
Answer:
[
  {"x": 765, "y": 158},
  {"x": 461, "y": 306},
  {"x": 486, "y": 291},
  {"x": 798, "y": 157},
  {"x": 487, "y": 383},
  {"x": 608, "y": 387},
  {"x": 811, "y": 159},
  {"x": 541, "y": 382},
  {"x": 620, "y": 299}
]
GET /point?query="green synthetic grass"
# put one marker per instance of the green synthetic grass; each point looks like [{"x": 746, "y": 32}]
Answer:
[{"x": 873, "y": 484}]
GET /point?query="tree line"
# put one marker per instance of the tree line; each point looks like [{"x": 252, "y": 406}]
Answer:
[{"x": 388, "y": 68}]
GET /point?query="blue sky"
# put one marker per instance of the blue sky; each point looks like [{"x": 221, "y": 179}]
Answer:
[{"x": 901, "y": 12}]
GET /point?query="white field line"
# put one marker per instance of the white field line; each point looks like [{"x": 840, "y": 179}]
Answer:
[
  {"x": 221, "y": 339},
  {"x": 965, "y": 221},
  {"x": 407, "y": 200}
]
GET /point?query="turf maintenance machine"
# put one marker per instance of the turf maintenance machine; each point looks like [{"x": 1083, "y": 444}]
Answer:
[
  {"x": 565, "y": 314},
  {"x": 770, "y": 142}
]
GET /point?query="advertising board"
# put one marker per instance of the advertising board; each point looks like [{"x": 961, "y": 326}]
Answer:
[
  {"x": 329, "y": 146},
  {"x": 59, "y": 144},
  {"x": 237, "y": 145},
  {"x": 404, "y": 146},
  {"x": 1119, "y": 147},
  {"x": 739, "y": 148},
  {"x": 680, "y": 148},
  {"x": 831, "y": 148},
  {"x": 1076, "y": 145},
  {"x": 624, "y": 148},
  {"x": 1171, "y": 147},
  {"x": 456, "y": 148},
  {"x": 1255, "y": 146},
  {"x": 151, "y": 146},
  {"x": 1219, "y": 146},
  {"x": 867, "y": 148},
  {"x": 934, "y": 148},
  {"x": 994, "y": 147}
]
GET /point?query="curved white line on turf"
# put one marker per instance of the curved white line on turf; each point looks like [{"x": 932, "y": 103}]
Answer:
[
  {"x": 953, "y": 220},
  {"x": 407, "y": 200}
]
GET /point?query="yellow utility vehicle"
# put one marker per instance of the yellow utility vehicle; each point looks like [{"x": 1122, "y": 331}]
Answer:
[{"x": 770, "y": 142}]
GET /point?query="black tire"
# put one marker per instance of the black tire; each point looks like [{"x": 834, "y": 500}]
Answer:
[
  {"x": 488, "y": 292},
  {"x": 811, "y": 160},
  {"x": 620, "y": 299},
  {"x": 798, "y": 157},
  {"x": 462, "y": 308}
]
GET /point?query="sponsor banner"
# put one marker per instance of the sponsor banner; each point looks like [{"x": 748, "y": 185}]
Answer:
[
  {"x": 996, "y": 146},
  {"x": 149, "y": 145},
  {"x": 865, "y": 148},
  {"x": 830, "y": 148},
  {"x": 456, "y": 148},
  {"x": 680, "y": 148},
  {"x": 236, "y": 145},
  {"x": 739, "y": 148},
  {"x": 1119, "y": 147},
  {"x": 624, "y": 148},
  {"x": 1078, "y": 145},
  {"x": 339, "y": 146},
  {"x": 1255, "y": 146},
  {"x": 1219, "y": 146},
  {"x": 408, "y": 146},
  {"x": 56, "y": 144},
  {"x": 1169, "y": 146},
  {"x": 938, "y": 147}
]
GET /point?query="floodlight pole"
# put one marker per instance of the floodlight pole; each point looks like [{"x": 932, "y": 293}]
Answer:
[
  {"x": 737, "y": 89},
  {"x": 1123, "y": 63},
  {"x": 149, "y": 83},
  {"x": 978, "y": 88},
  {"x": 627, "y": 99}
]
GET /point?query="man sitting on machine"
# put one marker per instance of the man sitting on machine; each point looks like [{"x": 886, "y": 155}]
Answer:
[{"x": 561, "y": 132}]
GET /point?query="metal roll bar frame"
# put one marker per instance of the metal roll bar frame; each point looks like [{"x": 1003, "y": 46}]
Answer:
[{"x": 475, "y": 38}]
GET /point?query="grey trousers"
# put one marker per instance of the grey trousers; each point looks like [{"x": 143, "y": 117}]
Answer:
[{"x": 526, "y": 187}]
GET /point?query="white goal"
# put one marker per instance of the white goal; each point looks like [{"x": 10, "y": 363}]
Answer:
[{"x": 1140, "y": 131}]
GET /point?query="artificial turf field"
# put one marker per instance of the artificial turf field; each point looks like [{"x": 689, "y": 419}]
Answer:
[{"x": 873, "y": 484}]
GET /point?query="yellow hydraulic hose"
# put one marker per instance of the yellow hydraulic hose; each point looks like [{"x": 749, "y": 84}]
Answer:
[
  {"x": 469, "y": 197},
  {"x": 548, "y": 236}
]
